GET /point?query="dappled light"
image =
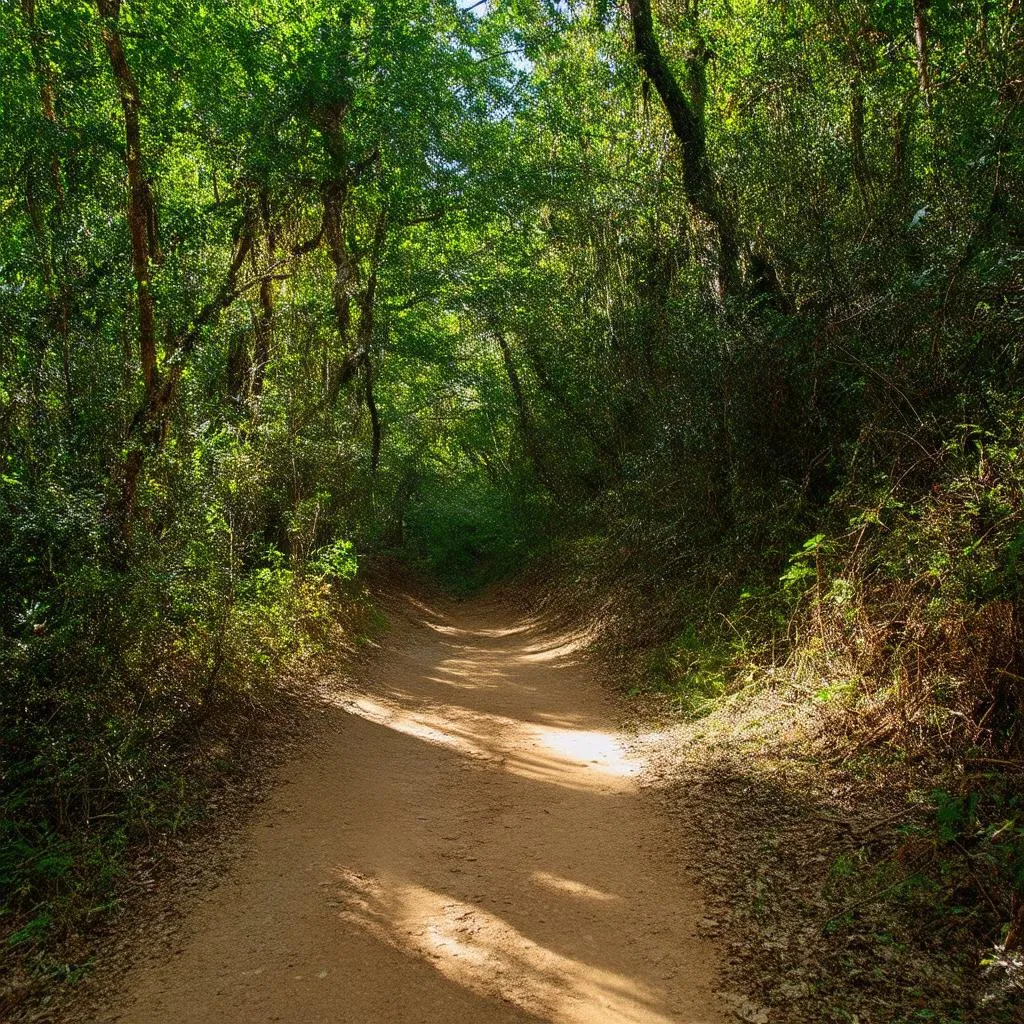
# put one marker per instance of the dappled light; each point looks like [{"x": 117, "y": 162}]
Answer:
[
  {"x": 553, "y": 651},
  {"x": 468, "y": 842},
  {"x": 516, "y": 890},
  {"x": 482, "y": 951},
  {"x": 418, "y": 726},
  {"x": 545, "y": 745},
  {"x": 484, "y": 633},
  {"x": 367, "y": 369},
  {"x": 600, "y": 751},
  {"x": 557, "y": 882}
]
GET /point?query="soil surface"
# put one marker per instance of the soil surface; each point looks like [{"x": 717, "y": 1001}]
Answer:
[{"x": 467, "y": 841}]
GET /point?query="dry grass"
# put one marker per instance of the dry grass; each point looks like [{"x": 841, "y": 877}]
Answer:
[{"x": 852, "y": 798}]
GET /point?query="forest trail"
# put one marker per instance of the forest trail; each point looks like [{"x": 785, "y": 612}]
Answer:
[{"x": 467, "y": 844}]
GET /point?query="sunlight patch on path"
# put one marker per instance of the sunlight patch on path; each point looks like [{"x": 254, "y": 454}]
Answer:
[
  {"x": 573, "y": 888},
  {"x": 553, "y": 651},
  {"x": 394, "y": 717},
  {"x": 581, "y": 759},
  {"x": 481, "y": 951},
  {"x": 600, "y": 751}
]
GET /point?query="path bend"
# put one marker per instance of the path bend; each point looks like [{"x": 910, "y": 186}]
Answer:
[{"x": 466, "y": 844}]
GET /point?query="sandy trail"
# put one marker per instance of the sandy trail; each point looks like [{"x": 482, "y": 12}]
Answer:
[{"x": 468, "y": 845}]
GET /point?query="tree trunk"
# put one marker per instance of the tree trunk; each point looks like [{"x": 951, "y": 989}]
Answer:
[
  {"x": 264, "y": 325},
  {"x": 149, "y": 425},
  {"x": 141, "y": 210},
  {"x": 371, "y": 405},
  {"x": 860, "y": 162},
  {"x": 688, "y": 126},
  {"x": 364, "y": 335},
  {"x": 335, "y": 195},
  {"x": 530, "y": 439},
  {"x": 921, "y": 46}
]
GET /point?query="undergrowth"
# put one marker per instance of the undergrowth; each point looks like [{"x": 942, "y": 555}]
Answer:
[
  {"x": 126, "y": 707},
  {"x": 468, "y": 533},
  {"x": 890, "y": 626}
]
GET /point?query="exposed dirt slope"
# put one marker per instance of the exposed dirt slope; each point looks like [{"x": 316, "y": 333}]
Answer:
[{"x": 466, "y": 843}]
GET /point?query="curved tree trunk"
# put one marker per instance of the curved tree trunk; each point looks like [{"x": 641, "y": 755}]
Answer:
[{"x": 686, "y": 117}]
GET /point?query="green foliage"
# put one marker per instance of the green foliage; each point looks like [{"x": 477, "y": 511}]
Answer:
[
  {"x": 466, "y": 533},
  {"x": 433, "y": 281},
  {"x": 335, "y": 562},
  {"x": 694, "y": 669},
  {"x": 803, "y": 566}
]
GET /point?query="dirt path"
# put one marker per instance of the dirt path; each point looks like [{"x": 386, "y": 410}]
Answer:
[{"x": 467, "y": 845}]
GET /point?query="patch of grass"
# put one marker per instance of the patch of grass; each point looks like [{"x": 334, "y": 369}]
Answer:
[{"x": 693, "y": 670}]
